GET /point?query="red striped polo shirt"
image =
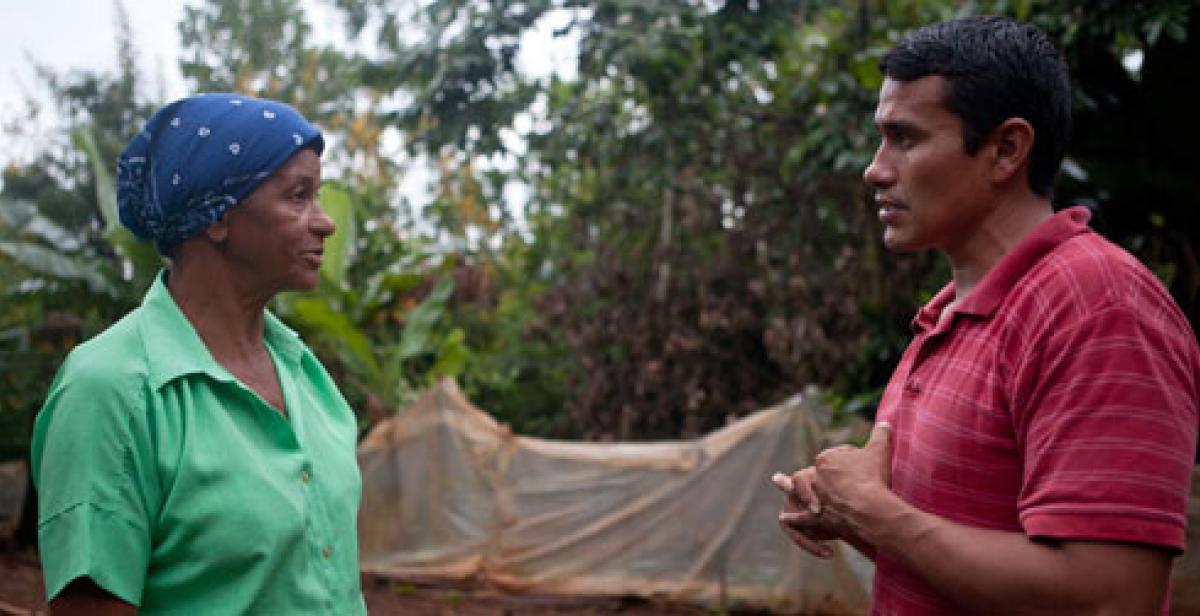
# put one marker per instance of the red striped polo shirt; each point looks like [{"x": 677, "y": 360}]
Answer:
[{"x": 1060, "y": 399}]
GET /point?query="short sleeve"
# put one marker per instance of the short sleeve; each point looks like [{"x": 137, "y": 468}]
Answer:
[
  {"x": 1109, "y": 422},
  {"x": 92, "y": 467}
]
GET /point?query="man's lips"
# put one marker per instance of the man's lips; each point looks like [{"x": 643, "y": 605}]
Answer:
[
  {"x": 887, "y": 203},
  {"x": 890, "y": 210}
]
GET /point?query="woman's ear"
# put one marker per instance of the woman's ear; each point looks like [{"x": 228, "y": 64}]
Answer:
[
  {"x": 1012, "y": 145},
  {"x": 218, "y": 231}
]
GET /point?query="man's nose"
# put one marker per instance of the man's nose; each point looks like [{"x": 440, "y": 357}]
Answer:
[{"x": 878, "y": 173}]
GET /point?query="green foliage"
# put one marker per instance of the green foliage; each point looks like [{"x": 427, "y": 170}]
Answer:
[
  {"x": 66, "y": 269},
  {"x": 677, "y": 159},
  {"x": 260, "y": 47},
  {"x": 685, "y": 236},
  {"x": 1130, "y": 121},
  {"x": 700, "y": 238},
  {"x": 462, "y": 73},
  {"x": 419, "y": 324}
]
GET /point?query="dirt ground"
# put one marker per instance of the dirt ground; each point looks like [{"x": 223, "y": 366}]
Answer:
[{"x": 21, "y": 595}]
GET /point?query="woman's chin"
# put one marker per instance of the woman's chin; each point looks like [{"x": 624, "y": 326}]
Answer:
[{"x": 307, "y": 281}]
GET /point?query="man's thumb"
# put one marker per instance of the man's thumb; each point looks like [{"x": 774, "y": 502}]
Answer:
[
  {"x": 880, "y": 444},
  {"x": 881, "y": 437}
]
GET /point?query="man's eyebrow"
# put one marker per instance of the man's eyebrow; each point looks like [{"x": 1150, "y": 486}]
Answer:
[{"x": 897, "y": 126}]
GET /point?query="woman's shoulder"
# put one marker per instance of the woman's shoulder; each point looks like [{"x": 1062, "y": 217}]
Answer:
[{"x": 112, "y": 361}]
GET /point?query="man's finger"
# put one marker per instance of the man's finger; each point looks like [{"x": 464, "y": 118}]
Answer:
[
  {"x": 798, "y": 520},
  {"x": 791, "y": 502},
  {"x": 802, "y": 482},
  {"x": 817, "y": 548},
  {"x": 783, "y": 482}
]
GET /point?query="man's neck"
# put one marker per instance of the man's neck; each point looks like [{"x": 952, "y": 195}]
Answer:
[{"x": 993, "y": 238}]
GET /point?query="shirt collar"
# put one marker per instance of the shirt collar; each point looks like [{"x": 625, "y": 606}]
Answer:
[
  {"x": 1005, "y": 274},
  {"x": 174, "y": 349},
  {"x": 282, "y": 339}
]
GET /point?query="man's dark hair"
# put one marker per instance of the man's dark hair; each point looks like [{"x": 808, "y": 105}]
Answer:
[{"x": 996, "y": 68}]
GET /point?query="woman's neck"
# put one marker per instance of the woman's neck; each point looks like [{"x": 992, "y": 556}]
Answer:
[{"x": 227, "y": 318}]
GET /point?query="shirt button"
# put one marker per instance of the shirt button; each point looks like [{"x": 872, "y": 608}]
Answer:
[
  {"x": 326, "y": 551},
  {"x": 305, "y": 477}
]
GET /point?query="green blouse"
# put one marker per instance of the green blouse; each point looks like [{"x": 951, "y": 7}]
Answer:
[{"x": 178, "y": 489}]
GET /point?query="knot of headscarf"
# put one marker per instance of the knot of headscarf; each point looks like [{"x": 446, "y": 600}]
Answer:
[{"x": 199, "y": 156}]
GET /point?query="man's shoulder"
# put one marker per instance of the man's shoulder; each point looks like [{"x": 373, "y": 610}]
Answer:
[
  {"x": 1088, "y": 271},
  {"x": 1087, "y": 283}
]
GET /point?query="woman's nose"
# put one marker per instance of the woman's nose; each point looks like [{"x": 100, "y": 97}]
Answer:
[{"x": 322, "y": 224}]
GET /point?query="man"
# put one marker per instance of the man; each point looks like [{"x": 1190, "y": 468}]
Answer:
[{"x": 1034, "y": 447}]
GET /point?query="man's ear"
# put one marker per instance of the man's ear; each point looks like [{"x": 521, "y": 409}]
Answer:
[{"x": 1011, "y": 147}]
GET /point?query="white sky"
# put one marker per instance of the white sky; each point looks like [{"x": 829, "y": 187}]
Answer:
[
  {"x": 81, "y": 35},
  {"x": 75, "y": 34}
]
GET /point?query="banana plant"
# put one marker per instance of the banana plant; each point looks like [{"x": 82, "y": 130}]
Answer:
[
  {"x": 141, "y": 262},
  {"x": 52, "y": 253},
  {"x": 46, "y": 251}
]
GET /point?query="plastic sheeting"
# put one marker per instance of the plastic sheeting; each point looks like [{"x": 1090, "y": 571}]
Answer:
[{"x": 450, "y": 494}]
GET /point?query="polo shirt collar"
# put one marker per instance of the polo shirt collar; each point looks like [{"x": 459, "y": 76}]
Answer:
[
  {"x": 174, "y": 349},
  {"x": 1004, "y": 275}
]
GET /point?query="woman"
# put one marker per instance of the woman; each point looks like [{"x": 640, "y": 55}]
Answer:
[{"x": 195, "y": 457}]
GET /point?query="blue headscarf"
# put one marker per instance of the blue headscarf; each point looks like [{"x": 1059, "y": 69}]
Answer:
[{"x": 200, "y": 156}]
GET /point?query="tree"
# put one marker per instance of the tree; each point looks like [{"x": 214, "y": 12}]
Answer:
[
  {"x": 66, "y": 268},
  {"x": 697, "y": 228},
  {"x": 675, "y": 236},
  {"x": 684, "y": 213},
  {"x": 1132, "y": 115}
]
